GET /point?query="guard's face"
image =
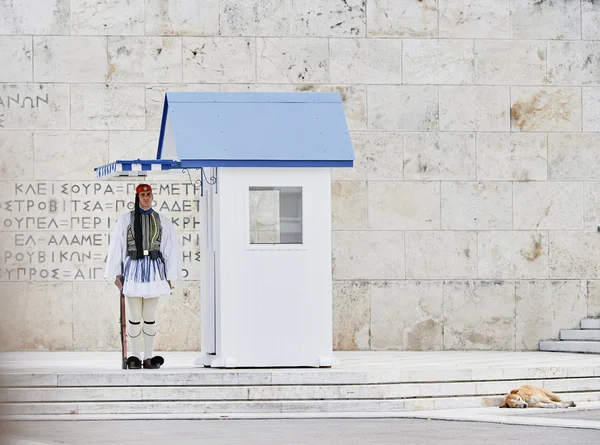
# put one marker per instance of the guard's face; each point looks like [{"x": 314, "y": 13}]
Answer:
[{"x": 146, "y": 200}]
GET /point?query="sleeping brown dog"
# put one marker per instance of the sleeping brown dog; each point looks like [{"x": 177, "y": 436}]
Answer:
[{"x": 528, "y": 396}]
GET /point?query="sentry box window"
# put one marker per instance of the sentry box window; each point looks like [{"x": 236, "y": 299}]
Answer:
[{"x": 275, "y": 215}]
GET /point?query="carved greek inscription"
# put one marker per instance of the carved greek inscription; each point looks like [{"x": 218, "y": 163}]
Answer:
[
  {"x": 18, "y": 100},
  {"x": 60, "y": 231}
]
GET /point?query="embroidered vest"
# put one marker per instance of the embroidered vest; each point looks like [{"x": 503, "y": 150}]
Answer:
[{"x": 151, "y": 232}]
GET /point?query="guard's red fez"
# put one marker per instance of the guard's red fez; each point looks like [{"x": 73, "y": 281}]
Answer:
[{"x": 143, "y": 188}]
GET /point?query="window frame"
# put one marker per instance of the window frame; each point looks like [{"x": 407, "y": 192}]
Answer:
[{"x": 275, "y": 246}]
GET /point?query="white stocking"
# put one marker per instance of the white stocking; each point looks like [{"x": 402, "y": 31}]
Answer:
[
  {"x": 149, "y": 329},
  {"x": 134, "y": 327}
]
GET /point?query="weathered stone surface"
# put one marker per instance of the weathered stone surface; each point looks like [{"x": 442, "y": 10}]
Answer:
[
  {"x": 132, "y": 144},
  {"x": 281, "y": 60},
  {"x": 368, "y": 255},
  {"x": 574, "y": 255},
  {"x": 398, "y": 108},
  {"x": 534, "y": 314},
  {"x": 433, "y": 61},
  {"x": 512, "y": 156},
  {"x": 474, "y": 19},
  {"x": 112, "y": 107},
  {"x": 476, "y": 206},
  {"x": 513, "y": 255},
  {"x": 182, "y": 17},
  {"x": 377, "y": 155},
  {"x": 351, "y": 315},
  {"x": 474, "y": 108},
  {"x": 569, "y": 298},
  {"x": 349, "y": 205},
  {"x": 402, "y": 18},
  {"x": 36, "y": 316},
  {"x": 256, "y": 17},
  {"x": 83, "y": 149},
  {"x": 70, "y": 59},
  {"x": 590, "y": 20},
  {"x": 266, "y": 88},
  {"x": 537, "y": 317},
  {"x": 178, "y": 319},
  {"x": 406, "y": 315},
  {"x": 50, "y": 17},
  {"x": 435, "y": 255},
  {"x": 354, "y": 99},
  {"x": 107, "y": 17},
  {"x": 593, "y": 299},
  {"x": 574, "y": 63},
  {"x": 545, "y": 109},
  {"x": 16, "y": 155},
  {"x": 155, "y": 99},
  {"x": 367, "y": 61},
  {"x": 96, "y": 309},
  {"x": 329, "y": 18},
  {"x": 144, "y": 59},
  {"x": 398, "y": 205},
  {"x": 16, "y": 59},
  {"x": 548, "y": 205},
  {"x": 591, "y": 109},
  {"x": 34, "y": 105},
  {"x": 439, "y": 156},
  {"x": 591, "y": 191},
  {"x": 215, "y": 60},
  {"x": 534, "y": 19},
  {"x": 573, "y": 157},
  {"x": 510, "y": 62},
  {"x": 479, "y": 315}
]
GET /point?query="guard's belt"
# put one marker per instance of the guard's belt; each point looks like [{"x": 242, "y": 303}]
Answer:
[{"x": 153, "y": 254}]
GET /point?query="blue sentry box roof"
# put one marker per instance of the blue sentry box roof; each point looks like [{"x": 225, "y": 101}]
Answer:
[{"x": 255, "y": 129}]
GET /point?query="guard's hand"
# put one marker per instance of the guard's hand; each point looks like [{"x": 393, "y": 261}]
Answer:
[{"x": 118, "y": 282}]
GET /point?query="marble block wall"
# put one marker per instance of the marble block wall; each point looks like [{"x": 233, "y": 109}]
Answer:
[{"x": 468, "y": 222}]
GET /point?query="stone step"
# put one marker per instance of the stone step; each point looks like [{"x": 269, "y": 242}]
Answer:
[
  {"x": 170, "y": 409},
  {"x": 592, "y": 347},
  {"x": 580, "y": 334},
  {"x": 290, "y": 392},
  {"x": 539, "y": 367},
  {"x": 590, "y": 323}
]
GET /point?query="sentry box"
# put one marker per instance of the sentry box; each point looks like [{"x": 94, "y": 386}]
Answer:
[{"x": 265, "y": 164}]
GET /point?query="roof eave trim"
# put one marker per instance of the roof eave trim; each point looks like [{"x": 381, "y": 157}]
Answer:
[{"x": 270, "y": 163}]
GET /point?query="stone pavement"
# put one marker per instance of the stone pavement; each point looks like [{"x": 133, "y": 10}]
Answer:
[
  {"x": 291, "y": 432},
  {"x": 586, "y": 415}
]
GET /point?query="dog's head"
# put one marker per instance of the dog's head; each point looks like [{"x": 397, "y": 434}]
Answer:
[{"x": 513, "y": 400}]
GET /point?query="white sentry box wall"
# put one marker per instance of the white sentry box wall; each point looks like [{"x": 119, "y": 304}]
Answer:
[{"x": 269, "y": 304}]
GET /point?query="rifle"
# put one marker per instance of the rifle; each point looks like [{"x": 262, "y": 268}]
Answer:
[{"x": 123, "y": 321}]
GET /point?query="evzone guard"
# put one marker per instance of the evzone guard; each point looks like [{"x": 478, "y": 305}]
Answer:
[{"x": 143, "y": 257}]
